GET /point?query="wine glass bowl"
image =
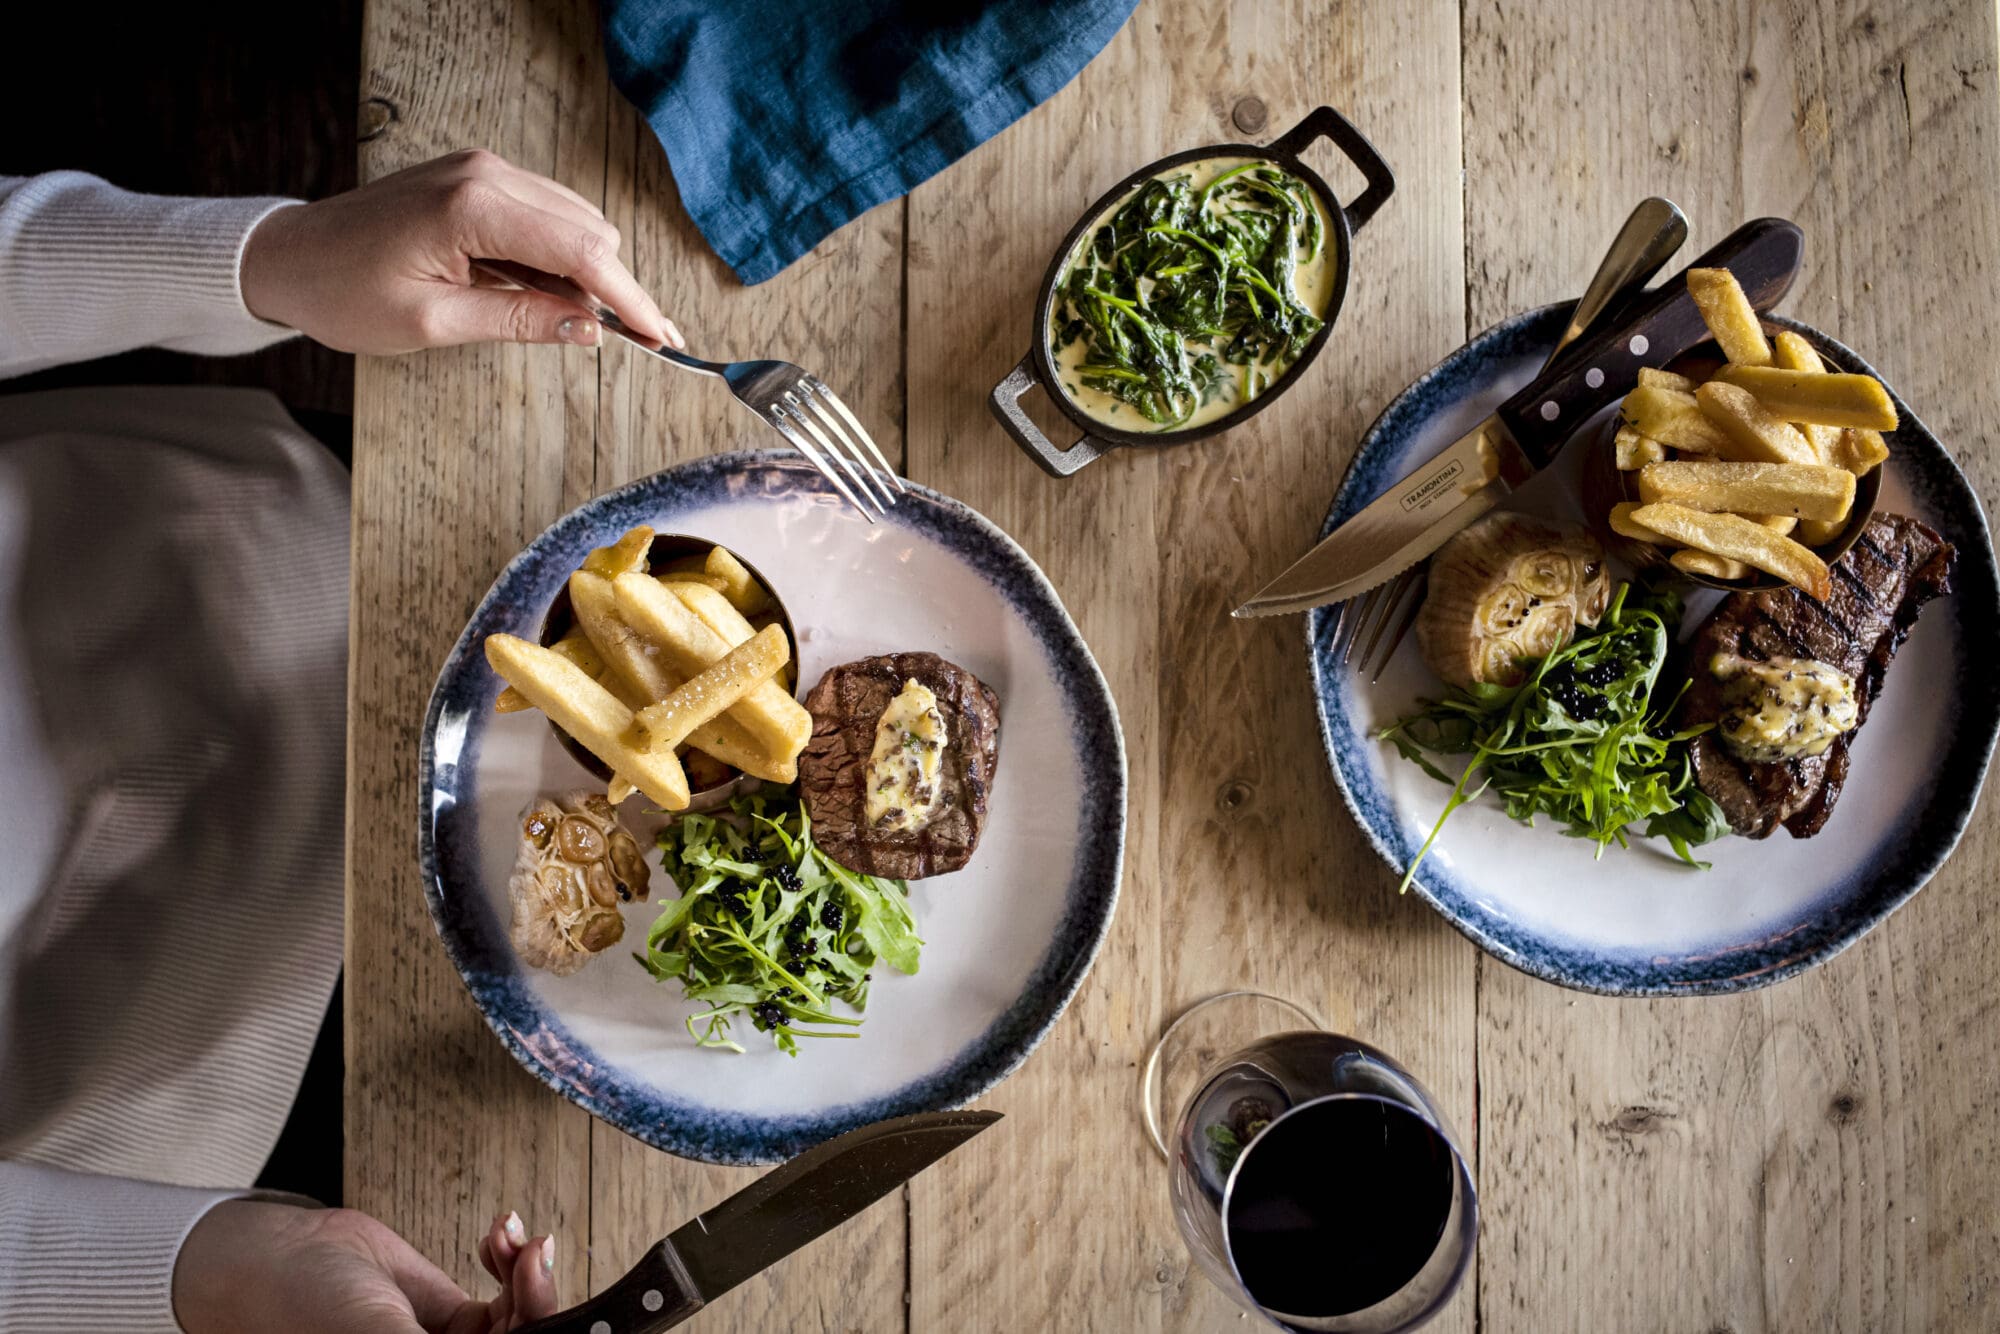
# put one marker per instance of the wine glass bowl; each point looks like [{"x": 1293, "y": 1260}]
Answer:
[{"x": 1318, "y": 1183}]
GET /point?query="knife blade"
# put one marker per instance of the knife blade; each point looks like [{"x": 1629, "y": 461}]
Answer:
[
  {"x": 1422, "y": 512},
  {"x": 766, "y": 1221}
]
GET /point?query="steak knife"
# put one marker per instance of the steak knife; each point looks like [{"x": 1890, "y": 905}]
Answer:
[
  {"x": 1421, "y": 512},
  {"x": 765, "y": 1222}
]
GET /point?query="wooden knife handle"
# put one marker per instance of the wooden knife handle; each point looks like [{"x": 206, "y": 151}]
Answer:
[
  {"x": 657, "y": 1294},
  {"x": 1601, "y": 368}
]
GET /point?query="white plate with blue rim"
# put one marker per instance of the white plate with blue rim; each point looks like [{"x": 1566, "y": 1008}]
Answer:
[
  {"x": 1637, "y": 922},
  {"x": 1008, "y": 938}
]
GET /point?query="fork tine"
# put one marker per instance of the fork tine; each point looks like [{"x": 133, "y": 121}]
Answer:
[
  {"x": 1365, "y": 613},
  {"x": 1398, "y": 590},
  {"x": 835, "y": 439},
  {"x": 1344, "y": 622},
  {"x": 805, "y": 447},
  {"x": 1401, "y": 632},
  {"x": 819, "y": 386},
  {"x": 804, "y": 415}
]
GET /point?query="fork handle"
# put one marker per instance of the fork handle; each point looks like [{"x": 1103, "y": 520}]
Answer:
[{"x": 551, "y": 284}]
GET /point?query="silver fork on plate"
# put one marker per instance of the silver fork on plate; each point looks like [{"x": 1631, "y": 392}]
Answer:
[
  {"x": 796, "y": 403},
  {"x": 1647, "y": 241}
]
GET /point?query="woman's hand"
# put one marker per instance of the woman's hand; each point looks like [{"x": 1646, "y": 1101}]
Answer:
[
  {"x": 385, "y": 268},
  {"x": 250, "y": 1267}
]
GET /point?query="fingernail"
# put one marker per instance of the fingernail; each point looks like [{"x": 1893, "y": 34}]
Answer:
[
  {"x": 582, "y": 332},
  {"x": 673, "y": 335},
  {"x": 548, "y": 1255},
  {"x": 515, "y": 1232}
]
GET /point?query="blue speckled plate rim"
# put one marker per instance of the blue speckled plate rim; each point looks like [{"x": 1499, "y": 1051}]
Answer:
[
  {"x": 1863, "y": 900},
  {"x": 556, "y": 1056}
]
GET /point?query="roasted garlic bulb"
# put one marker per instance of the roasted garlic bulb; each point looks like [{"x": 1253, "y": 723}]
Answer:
[
  {"x": 575, "y": 866},
  {"x": 1510, "y": 587}
]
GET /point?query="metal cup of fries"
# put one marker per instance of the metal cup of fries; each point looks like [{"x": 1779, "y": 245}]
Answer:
[
  {"x": 725, "y": 756},
  {"x": 1752, "y": 463}
]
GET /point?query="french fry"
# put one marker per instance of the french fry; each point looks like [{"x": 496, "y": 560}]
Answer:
[
  {"x": 1817, "y": 398},
  {"x": 1736, "y": 538},
  {"x": 1818, "y": 532},
  {"x": 1783, "y": 490},
  {"x": 1635, "y": 450},
  {"x": 1755, "y": 433},
  {"x": 702, "y": 577},
  {"x": 1674, "y": 418},
  {"x": 618, "y": 789},
  {"x": 640, "y": 678},
  {"x": 627, "y": 553},
  {"x": 1728, "y": 314},
  {"x": 1651, "y": 378},
  {"x": 1622, "y": 524},
  {"x": 589, "y": 713},
  {"x": 1706, "y": 563},
  {"x": 715, "y": 688},
  {"x": 778, "y": 722},
  {"x": 578, "y": 649},
  {"x": 738, "y": 584},
  {"x": 1777, "y": 523},
  {"x": 1792, "y": 352},
  {"x": 1860, "y": 451}
]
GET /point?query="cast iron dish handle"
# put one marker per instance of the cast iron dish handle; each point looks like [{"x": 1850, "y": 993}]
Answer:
[
  {"x": 1326, "y": 123},
  {"x": 1055, "y": 461}
]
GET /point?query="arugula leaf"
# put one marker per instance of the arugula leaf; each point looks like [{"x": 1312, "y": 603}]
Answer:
[
  {"x": 1580, "y": 739},
  {"x": 766, "y": 926}
]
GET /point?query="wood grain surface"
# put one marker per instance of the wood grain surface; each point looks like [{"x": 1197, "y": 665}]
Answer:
[{"x": 1819, "y": 1155}]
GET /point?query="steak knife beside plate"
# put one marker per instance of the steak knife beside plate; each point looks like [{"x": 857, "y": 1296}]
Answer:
[
  {"x": 1008, "y": 938},
  {"x": 1639, "y": 923}
]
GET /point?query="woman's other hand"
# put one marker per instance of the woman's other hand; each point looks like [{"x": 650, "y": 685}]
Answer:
[
  {"x": 386, "y": 268},
  {"x": 249, "y": 1267}
]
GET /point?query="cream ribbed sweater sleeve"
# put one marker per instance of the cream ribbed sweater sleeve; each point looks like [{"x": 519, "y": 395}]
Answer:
[
  {"x": 87, "y": 269},
  {"x": 92, "y": 1253}
]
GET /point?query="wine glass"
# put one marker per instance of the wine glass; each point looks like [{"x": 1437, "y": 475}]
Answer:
[{"x": 1314, "y": 1179}]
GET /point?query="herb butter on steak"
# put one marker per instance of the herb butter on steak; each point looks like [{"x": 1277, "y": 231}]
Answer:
[{"x": 836, "y": 772}]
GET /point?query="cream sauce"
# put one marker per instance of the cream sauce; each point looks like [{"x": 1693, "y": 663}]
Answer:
[{"x": 1312, "y": 285}]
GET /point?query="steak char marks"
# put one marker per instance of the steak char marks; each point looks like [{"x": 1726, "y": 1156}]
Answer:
[
  {"x": 1879, "y": 587},
  {"x": 846, "y": 705}
]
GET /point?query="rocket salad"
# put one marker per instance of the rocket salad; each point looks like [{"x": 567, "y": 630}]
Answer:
[
  {"x": 1581, "y": 739},
  {"x": 769, "y": 929}
]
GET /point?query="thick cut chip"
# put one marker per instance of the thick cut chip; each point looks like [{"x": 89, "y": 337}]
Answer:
[
  {"x": 628, "y": 553},
  {"x": 1635, "y": 450},
  {"x": 1652, "y": 378},
  {"x": 1860, "y": 451},
  {"x": 1703, "y": 563},
  {"x": 589, "y": 713},
  {"x": 714, "y": 688},
  {"x": 1729, "y": 316},
  {"x": 1755, "y": 433},
  {"x": 1816, "y": 397},
  {"x": 738, "y": 584},
  {"x": 1674, "y": 418},
  {"x": 1783, "y": 490},
  {"x": 1736, "y": 538},
  {"x": 778, "y": 722}
]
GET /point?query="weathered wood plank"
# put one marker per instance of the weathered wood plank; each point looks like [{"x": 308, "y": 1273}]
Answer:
[
  {"x": 1058, "y": 1218},
  {"x": 460, "y": 458}
]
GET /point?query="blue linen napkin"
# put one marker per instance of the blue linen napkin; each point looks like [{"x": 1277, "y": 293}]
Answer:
[{"x": 784, "y": 119}]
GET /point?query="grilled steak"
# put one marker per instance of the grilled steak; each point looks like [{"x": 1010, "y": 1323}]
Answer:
[
  {"x": 1879, "y": 586},
  {"x": 834, "y": 771}
]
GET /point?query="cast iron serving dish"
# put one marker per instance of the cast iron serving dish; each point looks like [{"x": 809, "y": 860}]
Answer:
[{"x": 1037, "y": 368}]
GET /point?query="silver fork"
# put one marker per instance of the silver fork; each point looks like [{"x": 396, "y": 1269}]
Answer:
[
  {"x": 797, "y": 404},
  {"x": 1647, "y": 241}
]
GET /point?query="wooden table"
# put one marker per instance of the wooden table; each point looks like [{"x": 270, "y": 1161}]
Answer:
[{"x": 1822, "y": 1154}]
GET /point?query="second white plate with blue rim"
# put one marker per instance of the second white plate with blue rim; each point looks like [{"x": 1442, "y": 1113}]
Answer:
[
  {"x": 1008, "y": 938},
  {"x": 1638, "y": 922}
]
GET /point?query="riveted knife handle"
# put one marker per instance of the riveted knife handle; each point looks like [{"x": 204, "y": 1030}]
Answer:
[
  {"x": 1602, "y": 368},
  {"x": 657, "y": 1294}
]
